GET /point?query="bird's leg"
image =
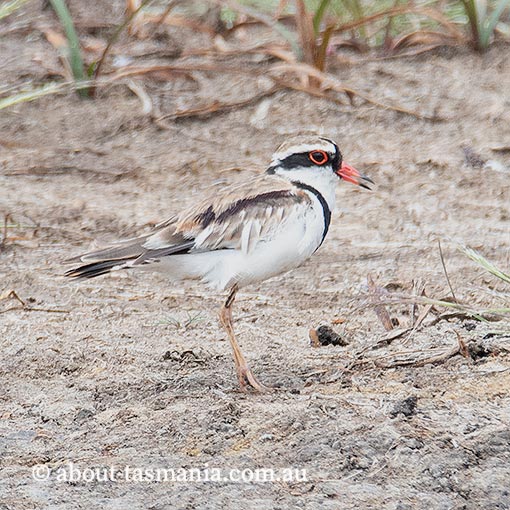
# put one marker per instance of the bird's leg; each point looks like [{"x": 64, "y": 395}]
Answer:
[{"x": 244, "y": 373}]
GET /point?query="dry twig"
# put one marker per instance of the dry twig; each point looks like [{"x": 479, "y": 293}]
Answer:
[
  {"x": 12, "y": 294},
  {"x": 218, "y": 107},
  {"x": 417, "y": 358}
]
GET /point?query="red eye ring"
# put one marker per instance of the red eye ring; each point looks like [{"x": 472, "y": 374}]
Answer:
[{"x": 318, "y": 157}]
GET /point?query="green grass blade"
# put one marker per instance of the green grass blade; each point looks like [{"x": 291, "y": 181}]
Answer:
[
  {"x": 319, "y": 14},
  {"x": 9, "y": 7},
  {"x": 481, "y": 7},
  {"x": 477, "y": 314},
  {"x": 73, "y": 42},
  {"x": 474, "y": 22},
  {"x": 24, "y": 97},
  {"x": 490, "y": 24},
  {"x": 357, "y": 13},
  {"x": 486, "y": 264}
]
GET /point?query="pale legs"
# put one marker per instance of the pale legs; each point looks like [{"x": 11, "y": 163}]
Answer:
[{"x": 244, "y": 373}]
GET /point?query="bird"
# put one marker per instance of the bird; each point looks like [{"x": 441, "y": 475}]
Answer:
[{"x": 244, "y": 234}]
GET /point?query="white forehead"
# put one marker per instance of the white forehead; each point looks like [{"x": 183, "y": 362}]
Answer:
[{"x": 297, "y": 146}]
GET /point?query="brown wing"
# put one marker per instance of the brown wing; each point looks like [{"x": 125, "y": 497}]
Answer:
[{"x": 239, "y": 218}]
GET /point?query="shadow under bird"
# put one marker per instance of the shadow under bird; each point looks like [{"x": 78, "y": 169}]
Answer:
[{"x": 248, "y": 233}]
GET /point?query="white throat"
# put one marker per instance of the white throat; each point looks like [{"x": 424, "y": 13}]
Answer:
[{"x": 324, "y": 180}]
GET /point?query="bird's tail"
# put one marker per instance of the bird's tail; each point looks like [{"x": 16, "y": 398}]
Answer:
[
  {"x": 122, "y": 255},
  {"x": 96, "y": 268}
]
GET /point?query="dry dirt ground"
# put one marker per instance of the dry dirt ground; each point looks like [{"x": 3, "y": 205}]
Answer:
[{"x": 135, "y": 370}]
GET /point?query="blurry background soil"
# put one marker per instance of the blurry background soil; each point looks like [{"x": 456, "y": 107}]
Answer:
[{"x": 131, "y": 369}]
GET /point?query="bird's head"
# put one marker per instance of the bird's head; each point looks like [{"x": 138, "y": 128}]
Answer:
[{"x": 311, "y": 155}]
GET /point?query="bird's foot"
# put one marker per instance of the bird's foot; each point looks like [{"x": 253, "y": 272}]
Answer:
[{"x": 248, "y": 380}]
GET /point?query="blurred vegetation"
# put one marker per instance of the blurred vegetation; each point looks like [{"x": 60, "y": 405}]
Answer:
[
  {"x": 311, "y": 32},
  {"x": 374, "y": 23}
]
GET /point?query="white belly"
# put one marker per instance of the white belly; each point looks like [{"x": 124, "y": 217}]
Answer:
[{"x": 288, "y": 248}]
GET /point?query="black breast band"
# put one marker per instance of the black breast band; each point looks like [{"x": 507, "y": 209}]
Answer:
[{"x": 325, "y": 207}]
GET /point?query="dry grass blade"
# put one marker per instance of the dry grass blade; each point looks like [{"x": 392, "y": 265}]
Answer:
[
  {"x": 445, "y": 271},
  {"x": 423, "y": 315},
  {"x": 176, "y": 69},
  {"x": 393, "y": 335},
  {"x": 330, "y": 82},
  {"x": 305, "y": 29},
  {"x": 307, "y": 90},
  {"x": 375, "y": 295},
  {"x": 426, "y": 310},
  {"x": 463, "y": 350},
  {"x": 423, "y": 38},
  {"x": 418, "y": 290}
]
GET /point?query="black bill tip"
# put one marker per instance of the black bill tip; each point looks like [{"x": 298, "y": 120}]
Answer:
[{"x": 364, "y": 180}]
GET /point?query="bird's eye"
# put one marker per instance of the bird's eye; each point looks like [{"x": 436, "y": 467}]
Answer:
[{"x": 318, "y": 157}]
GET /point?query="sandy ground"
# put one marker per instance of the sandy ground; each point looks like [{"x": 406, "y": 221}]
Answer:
[{"x": 134, "y": 370}]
